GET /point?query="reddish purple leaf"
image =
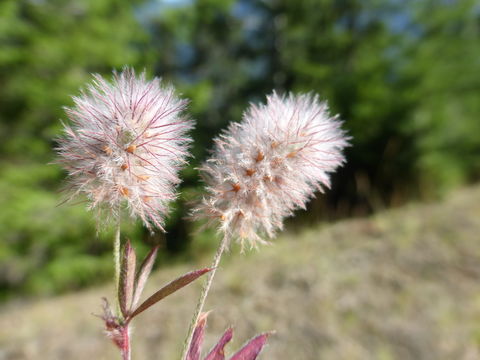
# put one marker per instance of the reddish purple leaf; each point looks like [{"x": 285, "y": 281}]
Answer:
[
  {"x": 251, "y": 350},
  {"x": 169, "y": 289},
  {"x": 143, "y": 274},
  {"x": 127, "y": 279},
  {"x": 218, "y": 352},
  {"x": 197, "y": 339}
]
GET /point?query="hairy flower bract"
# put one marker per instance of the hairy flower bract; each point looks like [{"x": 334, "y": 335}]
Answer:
[
  {"x": 269, "y": 164},
  {"x": 126, "y": 143}
]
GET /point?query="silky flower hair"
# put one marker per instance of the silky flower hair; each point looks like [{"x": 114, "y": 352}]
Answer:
[
  {"x": 125, "y": 146},
  {"x": 270, "y": 164}
]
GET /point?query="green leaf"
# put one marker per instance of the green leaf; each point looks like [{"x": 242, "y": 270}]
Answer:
[
  {"x": 168, "y": 289},
  {"x": 143, "y": 274},
  {"x": 127, "y": 279}
]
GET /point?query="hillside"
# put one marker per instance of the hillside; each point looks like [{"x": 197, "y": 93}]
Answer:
[{"x": 404, "y": 284}]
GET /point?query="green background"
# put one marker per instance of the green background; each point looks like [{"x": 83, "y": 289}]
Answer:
[{"x": 404, "y": 75}]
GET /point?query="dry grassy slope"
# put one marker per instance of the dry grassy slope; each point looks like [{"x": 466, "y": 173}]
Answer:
[{"x": 404, "y": 284}]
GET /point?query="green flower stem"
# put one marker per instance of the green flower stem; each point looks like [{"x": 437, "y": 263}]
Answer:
[
  {"x": 116, "y": 257},
  {"x": 203, "y": 295}
]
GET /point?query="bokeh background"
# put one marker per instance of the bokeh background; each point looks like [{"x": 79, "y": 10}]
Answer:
[{"x": 403, "y": 74}]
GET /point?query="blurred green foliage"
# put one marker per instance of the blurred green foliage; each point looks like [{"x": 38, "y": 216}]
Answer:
[
  {"x": 403, "y": 75},
  {"x": 47, "y": 51}
]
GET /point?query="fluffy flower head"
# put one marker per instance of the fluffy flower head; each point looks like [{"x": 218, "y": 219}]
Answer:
[
  {"x": 270, "y": 164},
  {"x": 126, "y": 144}
]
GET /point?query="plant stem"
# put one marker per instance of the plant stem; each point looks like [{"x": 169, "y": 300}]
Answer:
[
  {"x": 116, "y": 256},
  {"x": 203, "y": 295},
  {"x": 126, "y": 353},
  {"x": 125, "y": 350}
]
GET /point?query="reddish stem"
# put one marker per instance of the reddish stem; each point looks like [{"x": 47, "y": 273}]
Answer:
[{"x": 126, "y": 354}]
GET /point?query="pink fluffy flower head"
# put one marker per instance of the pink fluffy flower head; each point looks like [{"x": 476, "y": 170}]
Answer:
[
  {"x": 270, "y": 164},
  {"x": 125, "y": 146}
]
